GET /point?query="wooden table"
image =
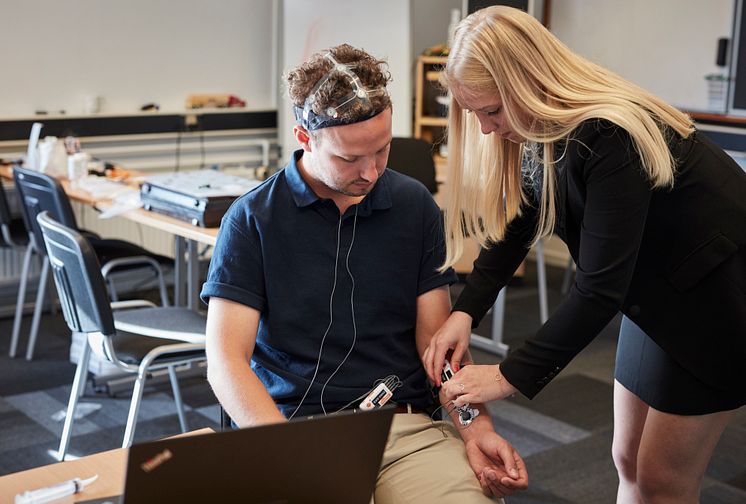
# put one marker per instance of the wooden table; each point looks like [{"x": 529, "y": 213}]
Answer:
[{"x": 109, "y": 465}]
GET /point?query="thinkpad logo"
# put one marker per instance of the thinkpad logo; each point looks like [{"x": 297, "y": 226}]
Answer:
[{"x": 156, "y": 461}]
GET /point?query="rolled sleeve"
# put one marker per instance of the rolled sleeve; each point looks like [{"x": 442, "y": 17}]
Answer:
[
  {"x": 236, "y": 270},
  {"x": 434, "y": 252}
]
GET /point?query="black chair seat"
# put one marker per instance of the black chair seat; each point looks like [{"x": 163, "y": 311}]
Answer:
[
  {"x": 132, "y": 348},
  {"x": 18, "y": 232},
  {"x": 108, "y": 249},
  {"x": 89, "y": 235}
]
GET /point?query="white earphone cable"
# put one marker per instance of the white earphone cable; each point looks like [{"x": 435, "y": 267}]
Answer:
[{"x": 331, "y": 320}]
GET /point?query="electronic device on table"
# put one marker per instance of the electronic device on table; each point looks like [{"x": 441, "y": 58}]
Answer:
[{"x": 200, "y": 197}]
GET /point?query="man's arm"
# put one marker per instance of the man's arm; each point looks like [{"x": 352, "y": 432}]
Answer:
[
  {"x": 495, "y": 462},
  {"x": 231, "y": 336},
  {"x": 433, "y": 309}
]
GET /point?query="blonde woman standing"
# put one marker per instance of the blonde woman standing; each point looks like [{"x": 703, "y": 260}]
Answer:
[{"x": 654, "y": 215}]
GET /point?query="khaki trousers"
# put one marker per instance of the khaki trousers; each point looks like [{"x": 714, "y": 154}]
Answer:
[{"x": 425, "y": 462}]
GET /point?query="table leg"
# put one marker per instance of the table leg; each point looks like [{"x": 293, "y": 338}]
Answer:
[
  {"x": 179, "y": 270},
  {"x": 494, "y": 344},
  {"x": 193, "y": 286}
]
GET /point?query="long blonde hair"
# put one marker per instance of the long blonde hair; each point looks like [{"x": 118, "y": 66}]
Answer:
[{"x": 546, "y": 92}]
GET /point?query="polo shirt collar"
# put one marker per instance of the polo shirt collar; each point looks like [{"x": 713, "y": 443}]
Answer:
[
  {"x": 302, "y": 193},
  {"x": 378, "y": 199}
]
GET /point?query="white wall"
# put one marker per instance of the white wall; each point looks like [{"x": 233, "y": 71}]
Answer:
[
  {"x": 382, "y": 28},
  {"x": 665, "y": 46},
  {"x": 131, "y": 52},
  {"x": 430, "y": 20}
]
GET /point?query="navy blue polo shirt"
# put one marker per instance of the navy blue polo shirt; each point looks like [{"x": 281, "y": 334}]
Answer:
[{"x": 276, "y": 252}]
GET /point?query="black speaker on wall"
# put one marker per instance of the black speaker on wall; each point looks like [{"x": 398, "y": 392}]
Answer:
[
  {"x": 537, "y": 8},
  {"x": 722, "y": 55},
  {"x": 475, "y": 5}
]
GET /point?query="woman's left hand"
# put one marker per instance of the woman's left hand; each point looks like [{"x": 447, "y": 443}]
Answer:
[{"x": 477, "y": 384}]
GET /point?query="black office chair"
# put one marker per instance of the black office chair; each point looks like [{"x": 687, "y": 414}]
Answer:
[
  {"x": 414, "y": 157},
  {"x": 39, "y": 192},
  {"x": 13, "y": 232},
  {"x": 156, "y": 338},
  {"x": 13, "y": 235}
]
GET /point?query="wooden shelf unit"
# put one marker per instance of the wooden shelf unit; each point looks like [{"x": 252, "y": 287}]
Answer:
[
  {"x": 428, "y": 125},
  {"x": 431, "y": 127}
]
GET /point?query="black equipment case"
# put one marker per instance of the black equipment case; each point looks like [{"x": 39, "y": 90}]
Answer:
[{"x": 199, "y": 197}]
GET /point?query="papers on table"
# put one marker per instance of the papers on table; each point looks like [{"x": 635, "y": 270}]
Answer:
[{"x": 102, "y": 188}]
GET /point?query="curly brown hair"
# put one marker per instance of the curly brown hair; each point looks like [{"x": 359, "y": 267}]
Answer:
[{"x": 372, "y": 73}]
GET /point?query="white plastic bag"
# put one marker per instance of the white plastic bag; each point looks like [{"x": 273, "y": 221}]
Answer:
[{"x": 52, "y": 157}]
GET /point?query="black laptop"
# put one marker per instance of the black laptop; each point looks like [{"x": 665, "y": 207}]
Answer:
[{"x": 328, "y": 459}]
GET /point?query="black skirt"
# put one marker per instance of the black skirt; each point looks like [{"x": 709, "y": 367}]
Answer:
[{"x": 647, "y": 371}]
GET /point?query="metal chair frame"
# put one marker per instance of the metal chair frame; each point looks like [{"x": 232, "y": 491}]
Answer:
[{"x": 87, "y": 309}]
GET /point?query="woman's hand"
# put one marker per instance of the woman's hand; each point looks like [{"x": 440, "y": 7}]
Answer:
[
  {"x": 477, "y": 384},
  {"x": 453, "y": 335}
]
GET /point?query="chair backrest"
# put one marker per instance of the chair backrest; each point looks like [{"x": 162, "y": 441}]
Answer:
[
  {"x": 38, "y": 193},
  {"x": 5, "y": 217},
  {"x": 77, "y": 275},
  {"x": 414, "y": 157}
]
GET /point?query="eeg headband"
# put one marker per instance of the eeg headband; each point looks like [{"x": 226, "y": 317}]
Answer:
[{"x": 306, "y": 117}]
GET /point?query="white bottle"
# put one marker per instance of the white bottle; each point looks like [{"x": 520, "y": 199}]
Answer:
[{"x": 455, "y": 18}]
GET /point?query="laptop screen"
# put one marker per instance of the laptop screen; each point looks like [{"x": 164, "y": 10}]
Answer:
[{"x": 328, "y": 459}]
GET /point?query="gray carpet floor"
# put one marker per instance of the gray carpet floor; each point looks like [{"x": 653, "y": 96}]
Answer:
[{"x": 564, "y": 434}]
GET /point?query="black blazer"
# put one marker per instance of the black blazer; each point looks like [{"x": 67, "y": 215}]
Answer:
[{"x": 672, "y": 260}]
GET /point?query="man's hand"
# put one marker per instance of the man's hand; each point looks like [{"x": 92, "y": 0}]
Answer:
[{"x": 498, "y": 466}]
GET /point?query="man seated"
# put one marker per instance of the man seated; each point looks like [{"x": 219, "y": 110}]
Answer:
[{"x": 325, "y": 281}]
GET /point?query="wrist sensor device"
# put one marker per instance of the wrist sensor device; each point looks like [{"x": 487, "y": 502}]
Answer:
[{"x": 466, "y": 414}]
